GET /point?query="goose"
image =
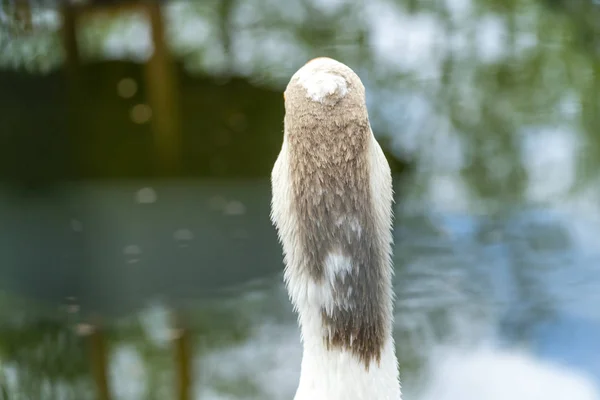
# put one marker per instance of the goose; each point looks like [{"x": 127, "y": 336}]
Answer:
[{"x": 331, "y": 206}]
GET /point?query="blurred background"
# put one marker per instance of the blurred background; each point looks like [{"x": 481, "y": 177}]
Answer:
[{"x": 137, "y": 260}]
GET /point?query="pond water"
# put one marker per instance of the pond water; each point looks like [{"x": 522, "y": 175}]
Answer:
[{"x": 481, "y": 301}]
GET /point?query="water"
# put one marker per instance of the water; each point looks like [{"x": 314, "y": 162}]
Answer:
[
  {"x": 479, "y": 315},
  {"x": 481, "y": 301}
]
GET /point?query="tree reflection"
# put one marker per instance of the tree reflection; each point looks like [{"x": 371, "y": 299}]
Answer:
[{"x": 492, "y": 69}]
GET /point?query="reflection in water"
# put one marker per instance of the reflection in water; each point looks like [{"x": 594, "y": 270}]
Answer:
[
  {"x": 146, "y": 196},
  {"x": 497, "y": 374},
  {"x": 488, "y": 97},
  {"x": 466, "y": 320},
  {"x": 478, "y": 302}
]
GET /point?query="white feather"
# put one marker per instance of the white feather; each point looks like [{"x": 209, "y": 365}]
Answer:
[
  {"x": 333, "y": 374},
  {"x": 320, "y": 83}
]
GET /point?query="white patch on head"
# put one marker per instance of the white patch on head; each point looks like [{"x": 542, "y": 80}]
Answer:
[
  {"x": 320, "y": 80},
  {"x": 321, "y": 85}
]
